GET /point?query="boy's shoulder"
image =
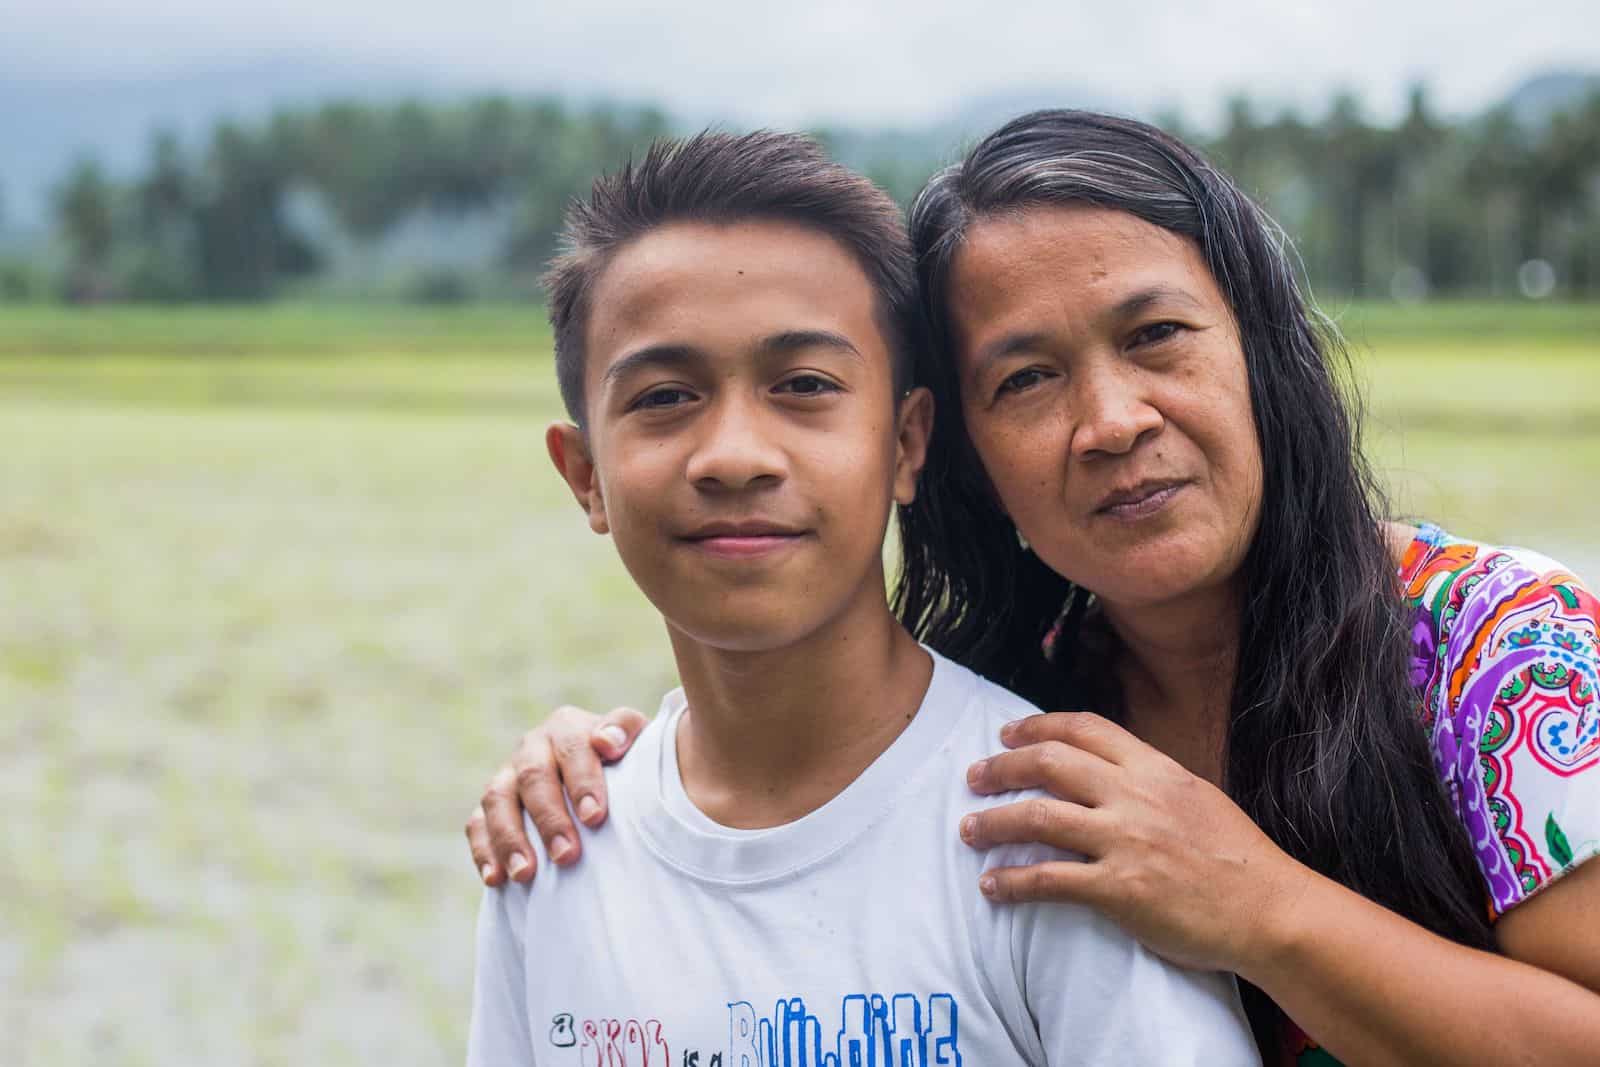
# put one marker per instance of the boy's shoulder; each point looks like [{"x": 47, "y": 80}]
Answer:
[
  {"x": 921, "y": 777},
  {"x": 630, "y": 784},
  {"x": 965, "y": 709},
  {"x": 995, "y": 701},
  {"x": 985, "y": 708}
]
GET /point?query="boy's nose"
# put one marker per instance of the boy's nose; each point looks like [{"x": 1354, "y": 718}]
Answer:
[{"x": 733, "y": 451}]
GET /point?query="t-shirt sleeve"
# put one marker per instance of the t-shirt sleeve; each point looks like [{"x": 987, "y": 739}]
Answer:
[
  {"x": 499, "y": 1035},
  {"x": 1519, "y": 744},
  {"x": 1094, "y": 995}
]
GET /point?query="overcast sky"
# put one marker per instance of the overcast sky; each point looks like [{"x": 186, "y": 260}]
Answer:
[{"x": 902, "y": 61}]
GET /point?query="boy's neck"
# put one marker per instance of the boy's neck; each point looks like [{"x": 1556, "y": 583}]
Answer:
[{"x": 771, "y": 736}]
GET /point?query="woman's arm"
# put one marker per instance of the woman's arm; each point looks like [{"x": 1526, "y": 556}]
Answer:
[
  {"x": 1179, "y": 866},
  {"x": 1556, "y": 930},
  {"x": 564, "y": 753},
  {"x": 1373, "y": 988}
]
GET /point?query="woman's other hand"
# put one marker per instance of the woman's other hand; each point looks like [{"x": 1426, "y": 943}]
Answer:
[
  {"x": 1169, "y": 857},
  {"x": 565, "y": 752}
]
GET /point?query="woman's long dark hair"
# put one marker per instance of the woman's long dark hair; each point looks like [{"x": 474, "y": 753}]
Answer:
[{"x": 1325, "y": 748}]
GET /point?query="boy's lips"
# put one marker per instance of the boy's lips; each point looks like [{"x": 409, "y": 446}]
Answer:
[{"x": 744, "y": 540}]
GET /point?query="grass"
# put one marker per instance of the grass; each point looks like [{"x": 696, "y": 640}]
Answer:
[
  {"x": 280, "y": 586},
  {"x": 272, "y": 330}
]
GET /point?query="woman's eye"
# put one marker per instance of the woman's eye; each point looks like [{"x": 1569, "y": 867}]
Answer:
[
  {"x": 807, "y": 385},
  {"x": 664, "y": 397},
  {"x": 1023, "y": 379},
  {"x": 1155, "y": 332}
]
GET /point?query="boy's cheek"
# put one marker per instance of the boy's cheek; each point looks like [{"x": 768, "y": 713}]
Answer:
[{"x": 642, "y": 542}]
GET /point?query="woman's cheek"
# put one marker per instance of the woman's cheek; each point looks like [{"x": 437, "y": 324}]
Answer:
[
  {"x": 1005, "y": 458},
  {"x": 1025, "y": 478}
]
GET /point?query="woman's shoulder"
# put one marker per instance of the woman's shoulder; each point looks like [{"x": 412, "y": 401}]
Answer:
[
  {"x": 1440, "y": 573},
  {"x": 1504, "y": 654}
]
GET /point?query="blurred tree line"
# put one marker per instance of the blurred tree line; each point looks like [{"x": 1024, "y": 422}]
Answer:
[
  {"x": 217, "y": 224},
  {"x": 1487, "y": 206},
  {"x": 1492, "y": 206}
]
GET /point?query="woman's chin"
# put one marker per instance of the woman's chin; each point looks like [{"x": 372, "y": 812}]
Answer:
[
  {"x": 1148, "y": 575},
  {"x": 1141, "y": 594}
]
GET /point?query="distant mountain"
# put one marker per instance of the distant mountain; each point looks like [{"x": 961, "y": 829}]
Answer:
[
  {"x": 902, "y": 157},
  {"x": 1535, "y": 100},
  {"x": 982, "y": 114},
  {"x": 45, "y": 125}
]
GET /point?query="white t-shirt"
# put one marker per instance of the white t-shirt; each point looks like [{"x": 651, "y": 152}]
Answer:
[{"x": 854, "y": 936}]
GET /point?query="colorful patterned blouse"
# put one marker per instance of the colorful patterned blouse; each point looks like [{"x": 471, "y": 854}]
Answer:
[{"x": 1503, "y": 655}]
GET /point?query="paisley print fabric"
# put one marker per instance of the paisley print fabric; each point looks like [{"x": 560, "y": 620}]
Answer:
[
  {"x": 1503, "y": 655},
  {"x": 1505, "y": 662}
]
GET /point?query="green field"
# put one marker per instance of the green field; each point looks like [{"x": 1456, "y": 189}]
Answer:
[{"x": 279, "y": 587}]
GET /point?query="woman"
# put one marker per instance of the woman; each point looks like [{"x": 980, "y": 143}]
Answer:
[{"x": 1144, "y": 499}]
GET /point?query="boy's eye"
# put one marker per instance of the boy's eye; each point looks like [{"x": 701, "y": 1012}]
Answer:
[
  {"x": 665, "y": 397},
  {"x": 807, "y": 385},
  {"x": 1155, "y": 332}
]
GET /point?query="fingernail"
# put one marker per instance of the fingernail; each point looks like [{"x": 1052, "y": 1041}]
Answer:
[
  {"x": 613, "y": 735},
  {"x": 487, "y": 870},
  {"x": 559, "y": 847},
  {"x": 986, "y": 885},
  {"x": 1009, "y": 730},
  {"x": 975, "y": 772},
  {"x": 969, "y": 827},
  {"x": 516, "y": 864},
  {"x": 588, "y": 809}
]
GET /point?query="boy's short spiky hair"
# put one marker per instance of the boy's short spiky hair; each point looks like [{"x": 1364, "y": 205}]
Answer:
[{"x": 726, "y": 178}]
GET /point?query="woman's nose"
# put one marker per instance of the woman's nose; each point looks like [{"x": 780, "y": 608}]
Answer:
[{"x": 1112, "y": 413}]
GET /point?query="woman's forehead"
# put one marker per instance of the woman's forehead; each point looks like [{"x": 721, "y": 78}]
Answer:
[
  {"x": 1082, "y": 237},
  {"x": 1080, "y": 259}
]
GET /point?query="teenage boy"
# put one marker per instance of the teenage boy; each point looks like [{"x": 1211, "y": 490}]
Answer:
[{"x": 781, "y": 883}]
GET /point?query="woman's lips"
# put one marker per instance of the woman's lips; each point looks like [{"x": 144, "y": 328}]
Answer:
[{"x": 1145, "y": 503}]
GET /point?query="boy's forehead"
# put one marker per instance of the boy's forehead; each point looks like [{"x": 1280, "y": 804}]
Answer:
[{"x": 711, "y": 284}]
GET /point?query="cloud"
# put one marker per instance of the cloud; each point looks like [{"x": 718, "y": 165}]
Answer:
[{"x": 888, "y": 61}]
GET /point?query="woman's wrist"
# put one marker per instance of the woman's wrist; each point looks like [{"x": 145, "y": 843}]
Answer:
[{"x": 1283, "y": 923}]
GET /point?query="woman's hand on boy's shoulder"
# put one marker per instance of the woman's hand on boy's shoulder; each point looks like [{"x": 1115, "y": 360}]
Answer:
[
  {"x": 1166, "y": 854},
  {"x": 557, "y": 761}
]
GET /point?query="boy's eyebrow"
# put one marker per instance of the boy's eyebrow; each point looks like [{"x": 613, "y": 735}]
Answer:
[
  {"x": 653, "y": 355},
  {"x": 794, "y": 340},
  {"x": 674, "y": 355}
]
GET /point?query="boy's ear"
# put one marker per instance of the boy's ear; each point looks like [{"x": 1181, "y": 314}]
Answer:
[
  {"x": 914, "y": 428},
  {"x": 569, "y": 451}
]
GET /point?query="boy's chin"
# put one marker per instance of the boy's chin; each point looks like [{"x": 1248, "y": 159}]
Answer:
[{"x": 750, "y": 633}]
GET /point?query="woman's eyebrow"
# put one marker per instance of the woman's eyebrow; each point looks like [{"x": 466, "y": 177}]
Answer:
[
  {"x": 1139, "y": 301},
  {"x": 1012, "y": 343},
  {"x": 1128, "y": 306}
]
